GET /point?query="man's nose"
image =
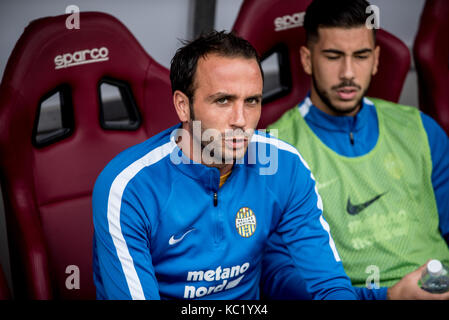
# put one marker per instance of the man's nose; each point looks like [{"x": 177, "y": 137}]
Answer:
[
  {"x": 347, "y": 69},
  {"x": 238, "y": 118}
]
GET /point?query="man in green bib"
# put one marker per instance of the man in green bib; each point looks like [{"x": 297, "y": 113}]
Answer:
[{"x": 382, "y": 169}]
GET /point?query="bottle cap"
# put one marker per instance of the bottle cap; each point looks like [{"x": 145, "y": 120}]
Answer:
[{"x": 434, "y": 267}]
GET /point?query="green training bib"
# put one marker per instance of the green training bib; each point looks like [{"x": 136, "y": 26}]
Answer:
[{"x": 380, "y": 206}]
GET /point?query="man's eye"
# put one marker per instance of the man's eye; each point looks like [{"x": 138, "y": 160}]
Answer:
[
  {"x": 252, "y": 101},
  {"x": 362, "y": 57},
  {"x": 332, "y": 57},
  {"x": 223, "y": 100}
]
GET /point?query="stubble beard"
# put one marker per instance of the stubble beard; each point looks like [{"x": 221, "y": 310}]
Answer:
[
  {"x": 325, "y": 99},
  {"x": 223, "y": 156}
]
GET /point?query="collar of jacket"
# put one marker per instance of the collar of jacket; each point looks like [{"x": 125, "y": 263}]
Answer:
[
  {"x": 209, "y": 177},
  {"x": 335, "y": 123}
]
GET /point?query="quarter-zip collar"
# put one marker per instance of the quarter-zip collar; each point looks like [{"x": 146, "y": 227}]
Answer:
[
  {"x": 209, "y": 177},
  {"x": 349, "y": 136},
  {"x": 346, "y": 124}
]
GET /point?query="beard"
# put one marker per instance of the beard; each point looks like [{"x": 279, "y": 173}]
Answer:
[
  {"x": 324, "y": 96},
  {"x": 213, "y": 147}
]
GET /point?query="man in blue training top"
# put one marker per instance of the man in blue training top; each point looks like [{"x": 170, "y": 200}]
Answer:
[
  {"x": 382, "y": 169},
  {"x": 187, "y": 213}
]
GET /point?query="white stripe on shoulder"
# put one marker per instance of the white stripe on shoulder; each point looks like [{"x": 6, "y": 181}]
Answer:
[
  {"x": 113, "y": 214},
  {"x": 368, "y": 101},
  {"x": 280, "y": 145},
  {"x": 304, "y": 107},
  {"x": 275, "y": 142}
]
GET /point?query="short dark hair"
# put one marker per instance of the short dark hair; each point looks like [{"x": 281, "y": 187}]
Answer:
[
  {"x": 332, "y": 13},
  {"x": 184, "y": 63}
]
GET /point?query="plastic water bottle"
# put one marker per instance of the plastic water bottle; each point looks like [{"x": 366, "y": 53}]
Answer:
[{"x": 435, "y": 278}]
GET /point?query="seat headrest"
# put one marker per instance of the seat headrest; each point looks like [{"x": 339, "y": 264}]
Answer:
[
  {"x": 278, "y": 21},
  {"x": 48, "y": 53},
  {"x": 276, "y": 26},
  {"x": 50, "y": 57}
]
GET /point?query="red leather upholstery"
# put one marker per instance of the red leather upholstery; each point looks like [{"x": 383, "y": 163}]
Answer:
[
  {"x": 431, "y": 53},
  {"x": 4, "y": 289},
  {"x": 47, "y": 190},
  {"x": 257, "y": 22}
]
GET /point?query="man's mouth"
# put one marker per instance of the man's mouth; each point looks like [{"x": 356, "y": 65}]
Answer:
[
  {"x": 235, "y": 142},
  {"x": 347, "y": 93}
]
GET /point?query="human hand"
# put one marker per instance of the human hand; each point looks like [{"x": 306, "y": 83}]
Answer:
[{"x": 408, "y": 289}]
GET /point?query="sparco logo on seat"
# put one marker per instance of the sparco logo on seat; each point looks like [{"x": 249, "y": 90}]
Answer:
[
  {"x": 289, "y": 21},
  {"x": 81, "y": 57}
]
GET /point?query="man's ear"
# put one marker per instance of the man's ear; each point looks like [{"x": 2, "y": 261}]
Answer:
[
  {"x": 306, "y": 59},
  {"x": 182, "y": 106},
  {"x": 376, "y": 60}
]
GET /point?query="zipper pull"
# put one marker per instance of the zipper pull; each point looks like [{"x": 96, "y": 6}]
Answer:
[
  {"x": 215, "y": 199},
  {"x": 351, "y": 138}
]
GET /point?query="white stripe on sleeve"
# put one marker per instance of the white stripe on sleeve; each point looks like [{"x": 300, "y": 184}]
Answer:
[{"x": 113, "y": 214}]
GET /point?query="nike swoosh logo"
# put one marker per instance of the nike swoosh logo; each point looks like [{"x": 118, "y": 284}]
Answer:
[
  {"x": 356, "y": 209},
  {"x": 173, "y": 241}
]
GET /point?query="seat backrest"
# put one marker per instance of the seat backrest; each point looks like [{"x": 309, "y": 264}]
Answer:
[
  {"x": 276, "y": 26},
  {"x": 431, "y": 54},
  {"x": 70, "y": 100}
]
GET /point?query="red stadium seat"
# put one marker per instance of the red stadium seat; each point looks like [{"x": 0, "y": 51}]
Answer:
[
  {"x": 276, "y": 26},
  {"x": 70, "y": 100},
  {"x": 431, "y": 53}
]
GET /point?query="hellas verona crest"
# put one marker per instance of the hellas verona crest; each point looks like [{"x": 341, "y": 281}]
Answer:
[{"x": 245, "y": 222}]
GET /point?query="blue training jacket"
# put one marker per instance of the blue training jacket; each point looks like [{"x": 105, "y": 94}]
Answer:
[
  {"x": 355, "y": 137},
  {"x": 164, "y": 229}
]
